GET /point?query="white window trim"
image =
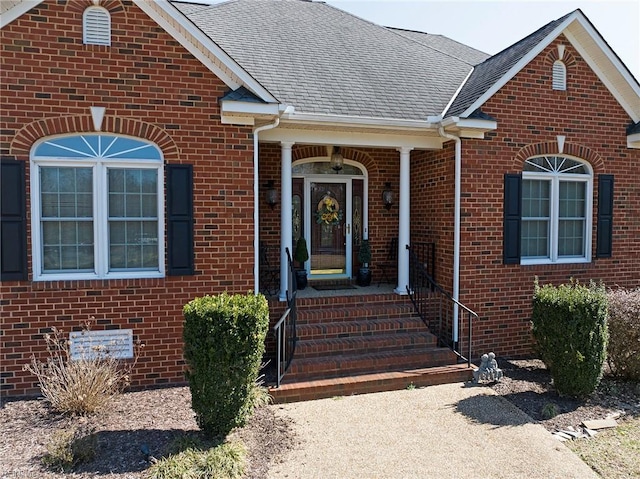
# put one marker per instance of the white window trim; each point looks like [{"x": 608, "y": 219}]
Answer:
[
  {"x": 555, "y": 178},
  {"x": 100, "y": 214}
]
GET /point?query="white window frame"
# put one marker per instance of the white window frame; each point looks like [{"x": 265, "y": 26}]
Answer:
[
  {"x": 554, "y": 204},
  {"x": 100, "y": 166}
]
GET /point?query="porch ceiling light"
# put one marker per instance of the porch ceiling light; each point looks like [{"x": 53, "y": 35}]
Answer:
[
  {"x": 387, "y": 196},
  {"x": 337, "y": 160},
  {"x": 271, "y": 194}
]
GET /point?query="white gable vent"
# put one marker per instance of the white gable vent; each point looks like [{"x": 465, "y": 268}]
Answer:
[
  {"x": 96, "y": 26},
  {"x": 559, "y": 75}
]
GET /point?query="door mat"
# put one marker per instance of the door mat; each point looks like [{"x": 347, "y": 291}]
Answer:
[{"x": 332, "y": 287}]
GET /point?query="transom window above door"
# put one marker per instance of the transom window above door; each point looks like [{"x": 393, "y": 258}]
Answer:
[
  {"x": 98, "y": 203},
  {"x": 324, "y": 168}
]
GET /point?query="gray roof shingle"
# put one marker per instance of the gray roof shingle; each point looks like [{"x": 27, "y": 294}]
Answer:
[
  {"x": 487, "y": 73},
  {"x": 323, "y": 60},
  {"x": 445, "y": 45}
]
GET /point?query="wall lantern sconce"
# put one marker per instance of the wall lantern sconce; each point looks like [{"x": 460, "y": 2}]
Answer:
[
  {"x": 337, "y": 160},
  {"x": 271, "y": 194},
  {"x": 387, "y": 196}
]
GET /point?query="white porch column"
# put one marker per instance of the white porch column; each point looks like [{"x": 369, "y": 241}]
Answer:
[
  {"x": 404, "y": 220},
  {"x": 286, "y": 233}
]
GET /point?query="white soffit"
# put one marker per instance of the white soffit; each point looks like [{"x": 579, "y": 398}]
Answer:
[
  {"x": 633, "y": 141},
  {"x": 12, "y": 9},
  {"x": 606, "y": 66}
]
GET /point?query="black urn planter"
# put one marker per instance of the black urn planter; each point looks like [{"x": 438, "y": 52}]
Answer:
[
  {"x": 364, "y": 277},
  {"x": 301, "y": 278}
]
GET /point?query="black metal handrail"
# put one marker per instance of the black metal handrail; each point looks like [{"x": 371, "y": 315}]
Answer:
[
  {"x": 437, "y": 308},
  {"x": 285, "y": 329}
]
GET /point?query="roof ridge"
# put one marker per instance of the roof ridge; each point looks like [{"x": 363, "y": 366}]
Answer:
[{"x": 434, "y": 48}]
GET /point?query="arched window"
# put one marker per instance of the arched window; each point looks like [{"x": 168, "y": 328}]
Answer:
[
  {"x": 98, "y": 203},
  {"x": 96, "y": 26},
  {"x": 559, "y": 75},
  {"x": 556, "y": 210}
]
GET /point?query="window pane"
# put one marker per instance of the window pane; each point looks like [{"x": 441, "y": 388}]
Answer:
[
  {"x": 133, "y": 209},
  {"x": 149, "y": 205},
  {"x": 66, "y": 192},
  {"x": 67, "y": 245},
  {"x": 535, "y": 239},
  {"x": 116, "y": 205},
  {"x": 572, "y": 199},
  {"x": 116, "y": 180},
  {"x": 51, "y": 258},
  {"x": 133, "y": 245},
  {"x": 535, "y": 198},
  {"x": 571, "y": 238}
]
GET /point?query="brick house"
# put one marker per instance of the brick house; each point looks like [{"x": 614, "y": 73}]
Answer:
[{"x": 153, "y": 152}]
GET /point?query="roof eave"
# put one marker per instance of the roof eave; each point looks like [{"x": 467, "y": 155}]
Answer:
[
  {"x": 235, "y": 112},
  {"x": 633, "y": 141},
  {"x": 469, "y": 127}
]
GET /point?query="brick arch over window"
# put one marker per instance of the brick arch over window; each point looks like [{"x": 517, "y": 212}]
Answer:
[
  {"x": 568, "y": 59},
  {"x": 79, "y": 6},
  {"x": 29, "y": 134},
  {"x": 551, "y": 148},
  {"x": 321, "y": 150}
]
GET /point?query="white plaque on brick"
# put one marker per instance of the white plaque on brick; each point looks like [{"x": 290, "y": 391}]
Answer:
[{"x": 117, "y": 343}]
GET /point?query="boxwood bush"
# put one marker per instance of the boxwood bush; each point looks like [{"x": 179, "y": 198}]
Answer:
[
  {"x": 570, "y": 328},
  {"x": 623, "y": 353},
  {"x": 223, "y": 347}
]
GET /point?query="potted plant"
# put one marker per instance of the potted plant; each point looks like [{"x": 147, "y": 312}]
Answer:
[
  {"x": 364, "y": 257},
  {"x": 301, "y": 255}
]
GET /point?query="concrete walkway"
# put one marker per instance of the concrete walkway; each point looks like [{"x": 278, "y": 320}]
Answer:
[{"x": 447, "y": 431}]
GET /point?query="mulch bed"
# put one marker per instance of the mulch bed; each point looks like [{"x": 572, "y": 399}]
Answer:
[{"x": 154, "y": 418}]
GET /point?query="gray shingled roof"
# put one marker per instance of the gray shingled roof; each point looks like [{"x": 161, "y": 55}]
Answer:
[
  {"x": 323, "y": 60},
  {"x": 444, "y": 44},
  {"x": 487, "y": 73},
  {"x": 633, "y": 128}
]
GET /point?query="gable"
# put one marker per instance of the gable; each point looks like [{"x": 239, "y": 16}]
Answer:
[
  {"x": 182, "y": 30},
  {"x": 488, "y": 77}
]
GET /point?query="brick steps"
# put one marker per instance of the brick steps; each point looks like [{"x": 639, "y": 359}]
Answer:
[
  {"x": 361, "y": 363},
  {"x": 363, "y": 343},
  {"x": 368, "y": 383},
  {"x": 368, "y": 327}
]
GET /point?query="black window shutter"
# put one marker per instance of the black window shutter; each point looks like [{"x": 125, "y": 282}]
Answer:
[
  {"x": 13, "y": 221},
  {"x": 605, "y": 216},
  {"x": 180, "y": 220},
  {"x": 512, "y": 218}
]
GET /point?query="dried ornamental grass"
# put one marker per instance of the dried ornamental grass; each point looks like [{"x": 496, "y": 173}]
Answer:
[{"x": 83, "y": 385}]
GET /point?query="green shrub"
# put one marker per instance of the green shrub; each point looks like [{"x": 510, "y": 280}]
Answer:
[
  {"x": 623, "y": 352},
  {"x": 570, "y": 327},
  {"x": 223, "y": 346},
  {"x": 69, "y": 448}
]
